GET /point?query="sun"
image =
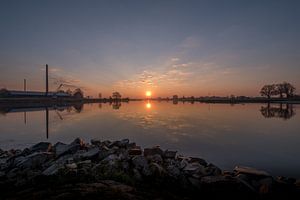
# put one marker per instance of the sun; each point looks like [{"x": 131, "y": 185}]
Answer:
[{"x": 148, "y": 93}]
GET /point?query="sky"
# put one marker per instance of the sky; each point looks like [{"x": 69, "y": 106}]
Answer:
[{"x": 182, "y": 47}]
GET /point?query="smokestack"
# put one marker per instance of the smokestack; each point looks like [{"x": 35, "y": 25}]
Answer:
[
  {"x": 24, "y": 85},
  {"x": 47, "y": 84}
]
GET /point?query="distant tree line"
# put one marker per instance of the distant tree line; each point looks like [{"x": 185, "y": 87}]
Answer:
[{"x": 282, "y": 90}]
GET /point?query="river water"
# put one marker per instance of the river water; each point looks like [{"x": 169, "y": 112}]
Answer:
[{"x": 257, "y": 135}]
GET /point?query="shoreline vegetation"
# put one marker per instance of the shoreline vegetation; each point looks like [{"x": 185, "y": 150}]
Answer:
[
  {"x": 123, "y": 170},
  {"x": 231, "y": 100}
]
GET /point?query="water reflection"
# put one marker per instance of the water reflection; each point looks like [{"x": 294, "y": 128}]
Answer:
[
  {"x": 17, "y": 108},
  {"x": 226, "y": 135},
  {"x": 284, "y": 111},
  {"x": 115, "y": 105},
  {"x": 148, "y": 105}
]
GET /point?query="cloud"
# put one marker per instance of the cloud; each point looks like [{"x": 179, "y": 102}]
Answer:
[{"x": 174, "y": 59}]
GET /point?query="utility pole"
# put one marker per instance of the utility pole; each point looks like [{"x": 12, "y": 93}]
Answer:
[{"x": 47, "y": 84}]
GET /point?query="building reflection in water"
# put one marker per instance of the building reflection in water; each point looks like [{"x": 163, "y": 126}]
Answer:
[
  {"x": 284, "y": 111},
  {"x": 76, "y": 107}
]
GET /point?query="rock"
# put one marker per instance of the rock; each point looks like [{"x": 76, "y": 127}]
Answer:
[
  {"x": 265, "y": 185},
  {"x": 85, "y": 163},
  {"x": 213, "y": 170},
  {"x": 193, "y": 168},
  {"x": 132, "y": 145},
  {"x": 137, "y": 175},
  {"x": 78, "y": 141},
  {"x": 153, "y": 151},
  {"x": 96, "y": 142},
  {"x": 41, "y": 147},
  {"x": 34, "y": 160},
  {"x": 245, "y": 180},
  {"x": 213, "y": 179},
  {"x": 169, "y": 154},
  {"x": 105, "y": 153},
  {"x": 53, "y": 169},
  {"x": 155, "y": 159},
  {"x": 2, "y": 174},
  {"x": 124, "y": 143},
  {"x": 173, "y": 171},
  {"x": 90, "y": 154},
  {"x": 195, "y": 182},
  {"x": 250, "y": 171},
  {"x": 54, "y": 166},
  {"x": 139, "y": 162},
  {"x": 135, "y": 151},
  {"x": 183, "y": 164},
  {"x": 198, "y": 160},
  {"x": 61, "y": 149},
  {"x": 157, "y": 170},
  {"x": 71, "y": 166}
]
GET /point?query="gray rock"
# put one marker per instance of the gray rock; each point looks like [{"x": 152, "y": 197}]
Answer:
[
  {"x": 193, "y": 168},
  {"x": 212, "y": 170},
  {"x": 250, "y": 171},
  {"x": 153, "y": 151},
  {"x": 85, "y": 163},
  {"x": 183, "y": 164},
  {"x": 96, "y": 142},
  {"x": 195, "y": 182},
  {"x": 157, "y": 170},
  {"x": 71, "y": 166},
  {"x": 169, "y": 154},
  {"x": 124, "y": 142},
  {"x": 61, "y": 149},
  {"x": 245, "y": 180},
  {"x": 155, "y": 159},
  {"x": 41, "y": 147},
  {"x": 135, "y": 151},
  {"x": 266, "y": 185},
  {"x": 90, "y": 154},
  {"x": 54, "y": 166},
  {"x": 139, "y": 162},
  {"x": 213, "y": 179},
  {"x": 78, "y": 141},
  {"x": 173, "y": 171},
  {"x": 34, "y": 160},
  {"x": 137, "y": 175},
  {"x": 198, "y": 160},
  {"x": 53, "y": 169}
]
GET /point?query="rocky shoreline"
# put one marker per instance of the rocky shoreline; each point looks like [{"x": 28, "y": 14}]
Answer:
[{"x": 123, "y": 170}]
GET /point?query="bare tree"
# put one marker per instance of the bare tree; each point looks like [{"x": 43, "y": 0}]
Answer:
[{"x": 268, "y": 91}]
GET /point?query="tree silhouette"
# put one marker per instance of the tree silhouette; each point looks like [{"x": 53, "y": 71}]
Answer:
[
  {"x": 268, "y": 91},
  {"x": 288, "y": 89}
]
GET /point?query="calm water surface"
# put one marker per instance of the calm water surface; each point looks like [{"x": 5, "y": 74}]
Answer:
[{"x": 227, "y": 135}]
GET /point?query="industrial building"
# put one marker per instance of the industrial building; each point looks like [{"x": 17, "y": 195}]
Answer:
[{"x": 4, "y": 93}]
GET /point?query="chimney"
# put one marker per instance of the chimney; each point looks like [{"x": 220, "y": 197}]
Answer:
[{"x": 47, "y": 84}]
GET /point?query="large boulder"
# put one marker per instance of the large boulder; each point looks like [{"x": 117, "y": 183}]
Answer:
[
  {"x": 153, "y": 151},
  {"x": 250, "y": 171},
  {"x": 41, "y": 147}
]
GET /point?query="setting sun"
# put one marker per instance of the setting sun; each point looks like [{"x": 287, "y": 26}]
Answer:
[{"x": 148, "y": 93}]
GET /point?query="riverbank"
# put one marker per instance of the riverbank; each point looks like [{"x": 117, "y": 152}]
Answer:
[{"x": 123, "y": 170}]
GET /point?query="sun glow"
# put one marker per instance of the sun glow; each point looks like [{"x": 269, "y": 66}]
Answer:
[
  {"x": 148, "y": 105},
  {"x": 148, "y": 93}
]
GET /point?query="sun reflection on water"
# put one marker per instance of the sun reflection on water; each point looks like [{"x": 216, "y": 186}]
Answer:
[{"x": 148, "y": 105}]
